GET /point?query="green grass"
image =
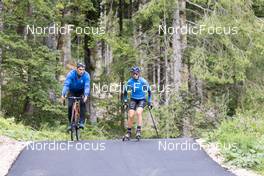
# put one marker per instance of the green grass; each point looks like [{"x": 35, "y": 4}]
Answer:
[
  {"x": 242, "y": 140},
  {"x": 21, "y": 132},
  {"x": 18, "y": 131}
]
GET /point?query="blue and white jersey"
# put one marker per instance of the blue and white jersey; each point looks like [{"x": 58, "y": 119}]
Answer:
[{"x": 138, "y": 88}]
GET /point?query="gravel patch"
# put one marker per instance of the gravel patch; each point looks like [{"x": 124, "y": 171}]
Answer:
[{"x": 9, "y": 151}]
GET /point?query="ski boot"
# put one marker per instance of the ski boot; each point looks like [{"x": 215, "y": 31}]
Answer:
[
  {"x": 127, "y": 137},
  {"x": 138, "y": 135}
]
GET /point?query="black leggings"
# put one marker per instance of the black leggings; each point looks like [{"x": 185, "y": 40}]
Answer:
[{"x": 134, "y": 104}]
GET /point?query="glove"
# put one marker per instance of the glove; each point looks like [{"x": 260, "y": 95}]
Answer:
[
  {"x": 62, "y": 100},
  {"x": 150, "y": 105},
  {"x": 85, "y": 99},
  {"x": 125, "y": 105}
]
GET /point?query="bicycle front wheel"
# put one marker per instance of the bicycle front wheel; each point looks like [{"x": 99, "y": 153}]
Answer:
[
  {"x": 72, "y": 134},
  {"x": 77, "y": 133}
]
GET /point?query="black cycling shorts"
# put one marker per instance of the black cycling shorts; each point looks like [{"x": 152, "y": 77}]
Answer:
[{"x": 134, "y": 104}]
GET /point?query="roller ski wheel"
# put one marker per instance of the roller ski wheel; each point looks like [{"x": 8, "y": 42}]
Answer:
[
  {"x": 138, "y": 136},
  {"x": 126, "y": 137}
]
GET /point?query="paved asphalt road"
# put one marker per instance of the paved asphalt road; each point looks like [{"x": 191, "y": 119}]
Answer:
[{"x": 153, "y": 157}]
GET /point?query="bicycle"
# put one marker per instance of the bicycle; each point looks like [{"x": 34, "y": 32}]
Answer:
[{"x": 75, "y": 118}]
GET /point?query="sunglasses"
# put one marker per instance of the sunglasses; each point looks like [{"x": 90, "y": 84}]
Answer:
[{"x": 81, "y": 69}]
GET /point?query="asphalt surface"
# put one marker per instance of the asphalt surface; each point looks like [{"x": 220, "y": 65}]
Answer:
[{"x": 153, "y": 157}]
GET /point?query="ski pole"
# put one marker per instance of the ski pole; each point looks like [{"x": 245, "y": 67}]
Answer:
[
  {"x": 154, "y": 123},
  {"x": 126, "y": 115}
]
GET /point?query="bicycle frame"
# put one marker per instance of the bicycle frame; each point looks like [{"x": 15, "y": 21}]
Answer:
[
  {"x": 75, "y": 117},
  {"x": 75, "y": 111}
]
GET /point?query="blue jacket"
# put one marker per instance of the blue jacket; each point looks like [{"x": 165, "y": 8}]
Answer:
[
  {"x": 73, "y": 84},
  {"x": 138, "y": 89}
]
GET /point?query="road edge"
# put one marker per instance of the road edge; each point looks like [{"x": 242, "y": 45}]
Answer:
[
  {"x": 10, "y": 149},
  {"x": 214, "y": 153}
]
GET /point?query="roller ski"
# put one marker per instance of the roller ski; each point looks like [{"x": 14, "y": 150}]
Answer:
[
  {"x": 138, "y": 135},
  {"x": 127, "y": 137}
]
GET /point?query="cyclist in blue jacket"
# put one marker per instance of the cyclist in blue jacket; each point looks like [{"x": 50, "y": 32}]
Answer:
[
  {"x": 77, "y": 84},
  {"x": 138, "y": 87}
]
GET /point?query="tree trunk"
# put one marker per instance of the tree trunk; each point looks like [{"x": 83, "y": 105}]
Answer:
[
  {"x": 122, "y": 77},
  {"x": 177, "y": 50},
  {"x": 90, "y": 67},
  {"x": 64, "y": 42},
  {"x": 51, "y": 43},
  {"x": 66, "y": 49},
  {"x": 50, "y": 40},
  {"x": 187, "y": 125},
  {"x": 120, "y": 21},
  {"x": 28, "y": 106},
  {"x": 180, "y": 70},
  {"x": 166, "y": 69}
]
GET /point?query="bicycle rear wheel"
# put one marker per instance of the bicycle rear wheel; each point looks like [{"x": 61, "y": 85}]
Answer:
[
  {"x": 77, "y": 129},
  {"x": 72, "y": 134},
  {"x": 77, "y": 133}
]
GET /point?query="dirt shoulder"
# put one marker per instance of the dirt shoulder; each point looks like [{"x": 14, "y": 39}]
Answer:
[
  {"x": 214, "y": 152},
  {"x": 9, "y": 151}
]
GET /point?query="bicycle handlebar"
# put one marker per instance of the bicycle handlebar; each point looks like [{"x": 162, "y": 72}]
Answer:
[{"x": 75, "y": 98}]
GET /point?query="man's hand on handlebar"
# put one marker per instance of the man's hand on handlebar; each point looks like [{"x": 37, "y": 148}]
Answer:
[
  {"x": 62, "y": 100},
  {"x": 85, "y": 99},
  {"x": 125, "y": 104}
]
